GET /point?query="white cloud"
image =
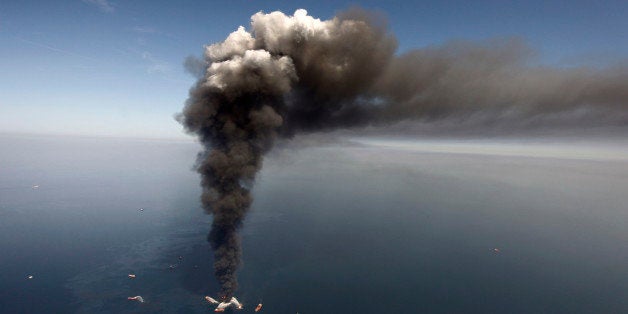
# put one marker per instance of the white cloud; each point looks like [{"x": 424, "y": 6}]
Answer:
[
  {"x": 156, "y": 66},
  {"x": 103, "y": 5}
]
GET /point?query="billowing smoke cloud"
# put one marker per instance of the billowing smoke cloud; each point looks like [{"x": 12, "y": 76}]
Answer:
[
  {"x": 494, "y": 77},
  {"x": 291, "y": 74}
]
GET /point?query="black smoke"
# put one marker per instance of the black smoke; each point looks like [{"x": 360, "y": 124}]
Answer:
[{"x": 291, "y": 74}]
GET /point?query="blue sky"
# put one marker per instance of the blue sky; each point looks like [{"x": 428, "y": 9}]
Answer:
[{"x": 114, "y": 68}]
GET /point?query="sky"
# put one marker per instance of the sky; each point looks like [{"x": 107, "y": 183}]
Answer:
[{"x": 114, "y": 68}]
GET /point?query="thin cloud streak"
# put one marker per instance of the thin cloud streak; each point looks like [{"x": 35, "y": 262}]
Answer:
[
  {"x": 103, "y": 5},
  {"x": 51, "y": 48},
  {"x": 144, "y": 30},
  {"x": 156, "y": 66}
]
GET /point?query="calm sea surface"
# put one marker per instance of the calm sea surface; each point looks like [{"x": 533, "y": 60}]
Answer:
[{"x": 366, "y": 228}]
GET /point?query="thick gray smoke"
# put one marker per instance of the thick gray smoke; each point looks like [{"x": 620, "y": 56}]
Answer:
[
  {"x": 291, "y": 74},
  {"x": 461, "y": 78}
]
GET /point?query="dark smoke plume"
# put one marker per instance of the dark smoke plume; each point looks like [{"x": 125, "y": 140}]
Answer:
[{"x": 296, "y": 73}]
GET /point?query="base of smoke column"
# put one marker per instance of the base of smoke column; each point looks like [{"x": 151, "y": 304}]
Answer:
[{"x": 224, "y": 304}]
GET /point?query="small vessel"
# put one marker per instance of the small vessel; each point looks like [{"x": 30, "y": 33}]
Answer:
[{"x": 136, "y": 298}]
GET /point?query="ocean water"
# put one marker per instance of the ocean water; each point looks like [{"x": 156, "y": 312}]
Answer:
[{"x": 375, "y": 226}]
